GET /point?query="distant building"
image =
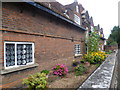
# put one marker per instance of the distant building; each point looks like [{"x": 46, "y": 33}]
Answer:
[{"x": 101, "y": 34}]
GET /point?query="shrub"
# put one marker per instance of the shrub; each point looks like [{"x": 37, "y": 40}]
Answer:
[
  {"x": 109, "y": 52},
  {"x": 88, "y": 57},
  {"x": 75, "y": 63},
  {"x": 80, "y": 70},
  {"x": 82, "y": 61},
  {"x": 60, "y": 70},
  {"x": 97, "y": 65},
  {"x": 36, "y": 81},
  {"x": 45, "y": 71},
  {"x": 95, "y": 57}
]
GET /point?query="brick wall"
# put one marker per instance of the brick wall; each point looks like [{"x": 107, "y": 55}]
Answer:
[
  {"x": 54, "y": 39},
  {"x": 41, "y": 23},
  {"x": 111, "y": 47}
]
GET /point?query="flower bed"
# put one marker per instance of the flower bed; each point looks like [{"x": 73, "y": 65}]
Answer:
[
  {"x": 59, "y": 77},
  {"x": 71, "y": 80},
  {"x": 95, "y": 57}
]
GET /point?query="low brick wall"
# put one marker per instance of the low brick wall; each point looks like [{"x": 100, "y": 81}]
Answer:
[{"x": 110, "y": 47}]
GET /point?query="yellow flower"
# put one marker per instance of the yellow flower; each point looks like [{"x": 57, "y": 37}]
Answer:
[{"x": 73, "y": 60}]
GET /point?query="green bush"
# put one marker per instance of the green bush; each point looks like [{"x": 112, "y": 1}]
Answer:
[
  {"x": 109, "y": 52},
  {"x": 45, "y": 71},
  {"x": 36, "y": 81},
  {"x": 97, "y": 65},
  {"x": 75, "y": 63},
  {"x": 82, "y": 61},
  {"x": 80, "y": 70}
]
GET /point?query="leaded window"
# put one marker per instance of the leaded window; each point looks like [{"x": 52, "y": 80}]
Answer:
[
  {"x": 77, "y": 49},
  {"x": 10, "y": 55},
  {"x": 17, "y": 54}
]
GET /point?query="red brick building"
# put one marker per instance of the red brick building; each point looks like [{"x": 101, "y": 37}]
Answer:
[
  {"x": 35, "y": 37},
  {"x": 102, "y": 39}
]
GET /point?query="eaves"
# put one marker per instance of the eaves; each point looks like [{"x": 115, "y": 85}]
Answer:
[{"x": 52, "y": 13}]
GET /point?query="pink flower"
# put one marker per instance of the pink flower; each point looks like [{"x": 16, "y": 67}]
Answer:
[{"x": 60, "y": 69}]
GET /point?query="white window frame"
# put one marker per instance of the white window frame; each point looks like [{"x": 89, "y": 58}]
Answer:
[
  {"x": 77, "y": 19},
  {"x": 102, "y": 47},
  {"x": 87, "y": 33},
  {"x": 8, "y": 42},
  {"x": 77, "y": 9},
  {"x": 76, "y": 51},
  {"x": 99, "y": 32},
  {"x": 92, "y": 28}
]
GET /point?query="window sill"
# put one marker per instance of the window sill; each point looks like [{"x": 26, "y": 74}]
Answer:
[
  {"x": 78, "y": 55},
  {"x": 6, "y": 71}
]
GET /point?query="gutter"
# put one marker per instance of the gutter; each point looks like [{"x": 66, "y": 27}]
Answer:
[{"x": 52, "y": 13}]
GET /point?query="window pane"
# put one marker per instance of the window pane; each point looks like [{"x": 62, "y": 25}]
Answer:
[
  {"x": 10, "y": 55},
  {"x": 24, "y": 54},
  {"x": 76, "y": 19},
  {"x": 77, "y": 49}
]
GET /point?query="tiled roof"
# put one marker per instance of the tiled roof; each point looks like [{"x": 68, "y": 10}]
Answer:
[{"x": 53, "y": 11}]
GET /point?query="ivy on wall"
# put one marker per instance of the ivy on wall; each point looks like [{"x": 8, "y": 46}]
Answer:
[{"x": 93, "y": 42}]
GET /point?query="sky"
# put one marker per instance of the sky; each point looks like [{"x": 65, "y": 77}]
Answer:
[{"x": 104, "y": 12}]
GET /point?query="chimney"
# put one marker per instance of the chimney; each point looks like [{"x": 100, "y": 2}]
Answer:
[{"x": 75, "y": 1}]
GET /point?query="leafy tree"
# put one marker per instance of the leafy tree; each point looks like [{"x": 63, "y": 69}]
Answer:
[
  {"x": 114, "y": 37},
  {"x": 111, "y": 41}
]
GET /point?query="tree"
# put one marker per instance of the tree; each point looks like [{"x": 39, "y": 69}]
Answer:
[
  {"x": 111, "y": 41},
  {"x": 114, "y": 36}
]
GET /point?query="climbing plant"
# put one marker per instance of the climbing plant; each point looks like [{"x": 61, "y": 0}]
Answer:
[{"x": 93, "y": 42}]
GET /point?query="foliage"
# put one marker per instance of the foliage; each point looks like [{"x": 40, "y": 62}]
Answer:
[
  {"x": 97, "y": 65},
  {"x": 111, "y": 42},
  {"x": 95, "y": 57},
  {"x": 114, "y": 36},
  {"x": 109, "y": 52},
  {"x": 82, "y": 61},
  {"x": 93, "y": 42},
  {"x": 60, "y": 70},
  {"x": 80, "y": 70},
  {"x": 36, "y": 81},
  {"x": 75, "y": 63},
  {"x": 45, "y": 71}
]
